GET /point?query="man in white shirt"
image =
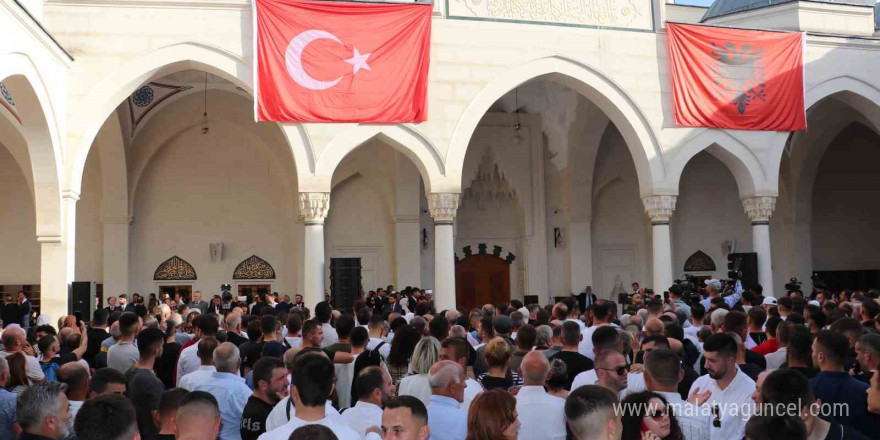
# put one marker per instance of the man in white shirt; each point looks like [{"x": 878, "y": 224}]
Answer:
[
  {"x": 542, "y": 416},
  {"x": 730, "y": 401},
  {"x": 374, "y": 388},
  {"x": 376, "y": 328},
  {"x": 205, "y": 351},
  {"x": 15, "y": 341},
  {"x": 204, "y": 326},
  {"x": 601, "y": 313},
  {"x": 324, "y": 313},
  {"x": 662, "y": 374},
  {"x": 312, "y": 385},
  {"x": 456, "y": 350}
]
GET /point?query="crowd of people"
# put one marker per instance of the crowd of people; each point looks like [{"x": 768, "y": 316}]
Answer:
[{"x": 712, "y": 363}]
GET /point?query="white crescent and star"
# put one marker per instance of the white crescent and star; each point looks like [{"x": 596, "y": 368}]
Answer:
[{"x": 293, "y": 59}]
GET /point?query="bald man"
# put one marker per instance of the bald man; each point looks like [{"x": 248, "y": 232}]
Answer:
[
  {"x": 14, "y": 341},
  {"x": 542, "y": 415},
  {"x": 446, "y": 419},
  {"x": 76, "y": 376},
  {"x": 198, "y": 417},
  {"x": 653, "y": 327}
]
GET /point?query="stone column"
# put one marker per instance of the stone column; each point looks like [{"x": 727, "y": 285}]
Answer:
[
  {"x": 313, "y": 208},
  {"x": 759, "y": 210},
  {"x": 580, "y": 243},
  {"x": 57, "y": 260},
  {"x": 116, "y": 256},
  {"x": 443, "y": 207},
  {"x": 659, "y": 209}
]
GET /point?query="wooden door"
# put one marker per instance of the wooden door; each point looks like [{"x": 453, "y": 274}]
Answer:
[{"x": 481, "y": 279}]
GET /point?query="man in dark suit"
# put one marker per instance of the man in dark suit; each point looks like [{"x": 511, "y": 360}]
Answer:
[
  {"x": 24, "y": 311},
  {"x": 197, "y": 303},
  {"x": 126, "y": 306},
  {"x": 111, "y": 305},
  {"x": 586, "y": 298}
]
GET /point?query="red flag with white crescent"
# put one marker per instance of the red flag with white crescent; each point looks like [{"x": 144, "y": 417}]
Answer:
[
  {"x": 328, "y": 61},
  {"x": 735, "y": 78}
]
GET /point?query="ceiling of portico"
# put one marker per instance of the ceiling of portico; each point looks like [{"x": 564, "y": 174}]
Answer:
[{"x": 158, "y": 93}]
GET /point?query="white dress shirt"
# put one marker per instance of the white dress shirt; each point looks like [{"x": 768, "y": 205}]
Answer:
[
  {"x": 542, "y": 416},
  {"x": 339, "y": 428},
  {"x": 734, "y": 404},
  {"x": 635, "y": 382},
  {"x": 471, "y": 390},
  {"x": 330, "y": 335},
  {"x": 278, "y": 416},
  {"x": 188, "y": 361},
  {"x": 417, "y": 386},
  {"x": 198, "y": 377},
  {"x": 362, "y": 416},
  {"x": 694, "y": 421},
  {"x": 776, "y": 359}
]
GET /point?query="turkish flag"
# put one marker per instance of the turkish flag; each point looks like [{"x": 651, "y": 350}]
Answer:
[
  {"x": 739, "y": 79},
  {"x": 328, "y": 61}
]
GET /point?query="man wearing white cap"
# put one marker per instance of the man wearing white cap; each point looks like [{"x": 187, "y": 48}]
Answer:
[{"x": 713, "y": 290}]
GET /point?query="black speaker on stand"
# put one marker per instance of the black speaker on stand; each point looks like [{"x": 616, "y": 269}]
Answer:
[
  {"x": 747, "y": 263},
  {"x": 345, "y": 282},
  {"x": 82, "y": 299}
]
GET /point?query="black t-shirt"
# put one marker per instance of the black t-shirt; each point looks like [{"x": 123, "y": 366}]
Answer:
[
  {"x": 806, "y": 371},
  {"x": 251, "y": 351},
  {"x": 144, "y": 389},
  {"x": 166, "y": 366},
  {"x": 96, "y": 337},
  {"x": 235, "y": 338},
  {"x": 575, "y": 362},
  {"x": 253, "y": 418},
  {"x": 492, "y": 382}
]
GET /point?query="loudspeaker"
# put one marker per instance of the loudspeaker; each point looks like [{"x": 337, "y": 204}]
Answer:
[
  {"x": 345, "y": 282},
  {"x": 82, "y": 299},
  {"x": 748, "y": 265},
  {"x": 530, "y": 299}
]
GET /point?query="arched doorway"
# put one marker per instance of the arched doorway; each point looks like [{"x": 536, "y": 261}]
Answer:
[{"x": 481, "y": 279}]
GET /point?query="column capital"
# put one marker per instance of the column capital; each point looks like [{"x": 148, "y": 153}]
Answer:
[
  {"x": 314, "y": 207},
  {"x": 659, "y": 208},
  {"x": 443, "y": 206},
  {"x": 69, "y": 194},
  {"x": 759, "y": 209}
]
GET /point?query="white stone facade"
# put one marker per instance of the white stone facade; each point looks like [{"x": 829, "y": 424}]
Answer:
[{"x": 601, "y": 187}]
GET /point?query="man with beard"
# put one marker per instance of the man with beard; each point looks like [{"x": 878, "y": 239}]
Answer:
[
  {"x": 731, "y": 389},
  {"x": 611, "y": 370},
  {"x": 373, "y": 389},
  {"x": 43, "y": 412},
  {"x": 270, "y": 385}
]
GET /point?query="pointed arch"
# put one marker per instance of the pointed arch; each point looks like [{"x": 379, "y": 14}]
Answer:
[
  {"x": 401, "y": 137},
  {"x": 739, "y": 159},
  {"x": 174, "y": 269},
  {"x": 589, "y": 82},
  {"x": 253, "y": 268},
  {"x": 112, "y": 90},
  {"x": 39, "y": 128}
]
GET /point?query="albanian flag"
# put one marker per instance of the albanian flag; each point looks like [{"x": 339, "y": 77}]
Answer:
[{"x": 737, "y": 79}]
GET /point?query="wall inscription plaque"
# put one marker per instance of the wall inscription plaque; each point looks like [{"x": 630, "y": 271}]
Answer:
[{"x": 624, "y": 14}]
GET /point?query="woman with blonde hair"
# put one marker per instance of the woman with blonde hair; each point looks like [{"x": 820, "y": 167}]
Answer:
[
  {"x": 493, "y": 416},
  {"x": 497, "y": 353},
  {"x": 427, "y": 353}
]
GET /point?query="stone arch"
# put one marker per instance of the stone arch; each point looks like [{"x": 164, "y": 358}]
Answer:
[
  {"x": 101, "y": 101},
  {"x": 253, "y": 268},
  {"x": 739, "y": 159},
  {"x": 402, "y": 137},
  {"x": 590, "y": 83},
  {"x": 39, "y": 129},
  {"x": 175, "y": 269}
]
